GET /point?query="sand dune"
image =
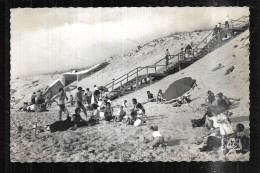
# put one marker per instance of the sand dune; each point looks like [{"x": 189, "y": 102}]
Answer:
[{"x": 108, "y": 142}]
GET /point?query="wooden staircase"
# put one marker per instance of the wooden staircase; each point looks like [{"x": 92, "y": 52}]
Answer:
[{"x": 142, "y": 76}]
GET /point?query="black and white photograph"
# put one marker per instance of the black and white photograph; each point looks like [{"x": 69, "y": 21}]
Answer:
[{"x": 129, "y": 84}]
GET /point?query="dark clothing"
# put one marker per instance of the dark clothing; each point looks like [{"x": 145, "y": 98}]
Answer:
[
  {"x": 226, "y": 24},
  {"x": 150, "y": 96},
  {"x": 33, "y": 99},
  {"x": 61, "y": 125},
  {"x": 188, "y": 48},
  {"x": 78, "y": 121}
]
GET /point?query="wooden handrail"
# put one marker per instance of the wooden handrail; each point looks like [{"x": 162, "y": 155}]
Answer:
[{"x": 196, "y": 49}]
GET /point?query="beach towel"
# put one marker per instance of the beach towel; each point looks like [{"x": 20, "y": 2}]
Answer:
[{"x": 61, "y": 125}]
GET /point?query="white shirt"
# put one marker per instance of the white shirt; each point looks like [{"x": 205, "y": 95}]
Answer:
[
  {"x": 156, "y": 134},
  {"x": 227, "y": 19},
  {"x": 32, "y": 107}
]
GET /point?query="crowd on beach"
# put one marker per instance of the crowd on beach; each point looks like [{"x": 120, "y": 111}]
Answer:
[{"x": 96, "y": 106}]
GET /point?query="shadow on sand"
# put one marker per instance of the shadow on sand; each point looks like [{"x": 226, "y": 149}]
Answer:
[
  {"x": 239, "y": 119},
  {"x": 173, "y": 142}
]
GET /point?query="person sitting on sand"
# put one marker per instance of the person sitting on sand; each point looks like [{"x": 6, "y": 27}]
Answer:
[
  {"x": 132, "y": 117},
  {"x": 89, "y": 95},
  {"x": 150, "y": 96},
  {"x": 40, "y": 102},
  {"x": 140, "y": 115},
  {"x": 121, "y": 114},
  {"x": 158, "y": 139},
  {"x": 31, "y": 108},
  {"x": 77, "y": 120},
  {"x": 225, "y": 129},
  {"x": 160, "y": 97},
  {"x": 210, "y": 97},
  {"x": 72, "y": 101},
  {"x": 94, "y": 117},
  {"x": 48, "y": 99},
  {"x": 79, "y": 100},
  {"x": 108, "y": 112},
  {"x": 33, "y": 98},
  {"x": 61, "y": 103}
]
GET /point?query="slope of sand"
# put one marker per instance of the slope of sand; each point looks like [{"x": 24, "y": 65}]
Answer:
[{"x": 118, "y": 142}]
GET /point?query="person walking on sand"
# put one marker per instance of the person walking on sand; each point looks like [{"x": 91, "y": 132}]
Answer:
[
  {"x": 167, "y": 54},
  {"x": 89, "y": 95},
  {"x": 79, "y": 100},
  {"x": 61, "y": 102}
]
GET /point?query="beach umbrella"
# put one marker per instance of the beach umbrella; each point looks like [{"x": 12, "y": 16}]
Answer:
[{"x": 178, "y": 88}]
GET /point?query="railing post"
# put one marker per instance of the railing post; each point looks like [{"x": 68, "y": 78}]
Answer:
[
  {"x": 150, "y": 79},
  {"x": 127, "y": 77},
  {"x": 136, "y": 82},
  {"x": 120, "y": 85},
  {"x": 155, "y": 67},
  {"x": 113, "y": 85},
  {"x": 146, "y": 72},
  {"x": 219, "y": 39}
]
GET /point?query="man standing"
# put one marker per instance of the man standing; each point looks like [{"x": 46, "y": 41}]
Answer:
[
  {"x": 89, "y": 95},
  {"x": 226, "y": 22},
  {"x": 79, "y": 100},
  {"x": 61, "y": 102}
]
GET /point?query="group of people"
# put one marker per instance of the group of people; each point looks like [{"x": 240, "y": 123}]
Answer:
[
  {"x": 37, "y": 102},
  {"x": 184, "y": 54},
  {"x": 218, "y": 28},
  {"x": 217, "y": 121}
]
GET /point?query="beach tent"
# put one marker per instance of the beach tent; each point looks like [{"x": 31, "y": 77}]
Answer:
[
  {"x": 54, "y": 87},
  {"x": 178, "y": 88}
]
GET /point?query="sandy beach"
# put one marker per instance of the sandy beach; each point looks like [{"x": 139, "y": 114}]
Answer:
[{"x": 116, "y": 141}]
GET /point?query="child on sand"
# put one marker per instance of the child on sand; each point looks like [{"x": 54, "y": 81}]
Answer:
[
  {"x": 160, "y": 96},
  {"x": 108, "y": 112},
  {"x": 121, "y": 113},
  {"x": 158, "y": 139}
]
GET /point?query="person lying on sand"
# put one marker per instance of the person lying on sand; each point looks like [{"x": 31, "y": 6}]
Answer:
[
  {"x": 227, "y": 100},
  {"x": 158, "y": 139},
  {"x": 61, "y": 103},
  {"x": 181, "y": 100},
  {"x": 79, "y": 100},
  {"x": 108, "y": 112},
  {"x": 150, "y": 96},
  {"x": 77, "y": 120}
]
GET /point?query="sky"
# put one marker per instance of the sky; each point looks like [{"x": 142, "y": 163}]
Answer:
[{"x": 46, "y": 40}]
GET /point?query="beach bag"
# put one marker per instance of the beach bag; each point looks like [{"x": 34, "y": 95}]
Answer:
[
  {"x": 137, "y": 122},
  {"x": 214, "y": 142},
  {"x": 245, "y": 142},
  {"x": 198, "y": 122}
]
